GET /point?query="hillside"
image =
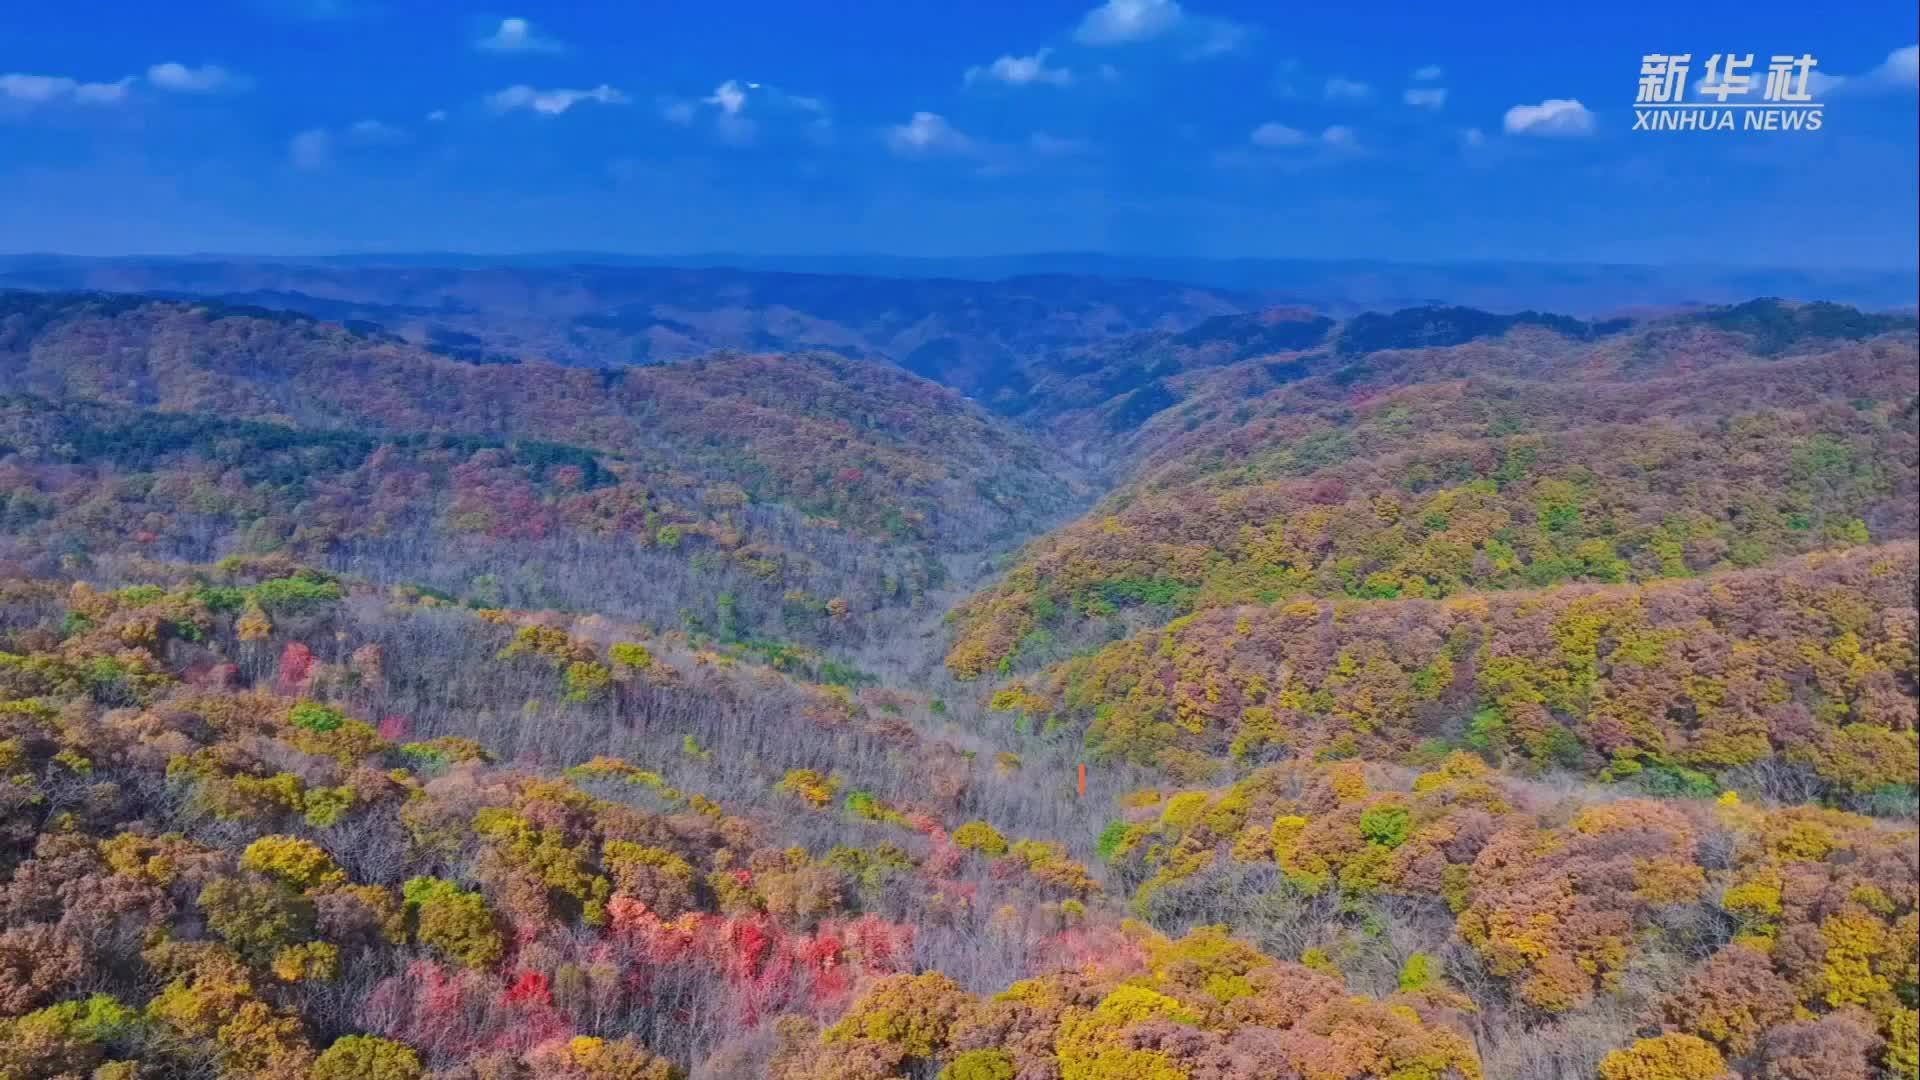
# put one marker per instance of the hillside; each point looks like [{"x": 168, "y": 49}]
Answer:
[
  {"x": 1520, "y": 459},
  {"x": 202, "y": 430},
  {"x": 1808, "y": 662},
  {"x": 1427, "y": 694},
  {"x": 369, "y": 863}
]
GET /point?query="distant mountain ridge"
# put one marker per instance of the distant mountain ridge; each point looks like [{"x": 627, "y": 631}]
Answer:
[
  {"x": 967, "y": 334},
  {"x": 1111, "y": 388},
  {"x": 1339, "y": 286},
  {"x": 1068, "y": 332}
]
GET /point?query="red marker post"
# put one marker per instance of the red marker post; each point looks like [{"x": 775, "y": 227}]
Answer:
[{"x": 1083, "y": 781}]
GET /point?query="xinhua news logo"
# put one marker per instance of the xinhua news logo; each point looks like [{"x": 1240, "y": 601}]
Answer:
[{"x": 1730, "y": 96}]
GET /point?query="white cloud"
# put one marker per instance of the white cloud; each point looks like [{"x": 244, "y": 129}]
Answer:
[
  {"x": 314, "y": 148},
  {"x": 1428, "y": 73},
  {"x": 927, "y": 135},
  {"x": 99, "y": 93},
  {"x": 1554, "y": 116},
  {"x": 311, "y": 149},
  {"x": 1425, "y": 97},
  {"x": 1118, "y": 22},
  {"x": 1196, "y": 37},
  {"x": 437, "y": 115},
  {"x": 373, "y": 131},
  {"x": 516, "y": 35},
  {"x": 1899, "y": 71},
  {"x": 36, "y": 89},
  {"x": 804, "y": 104},
  {"x": 1344, "y": 89},
  {"x": 734, "y": 104},
  {"x": 1273, "y": 135},
  {"x": 1302, "y": 149},
  {"x": 1054, "y": 146},
  {"x": 1473, "y": 137},
  {"x": 730, "y": 97},
  {"x": 1217, "y": 37},
  {"x": 191, "y": 80},
  {"x": 170, "y": 76},
  {"x": 53, "y": 89},
  {"x": 1021, "y": 71},
  {"x": 553, "y": 102},
  {"x": 1900, "y": 68}
]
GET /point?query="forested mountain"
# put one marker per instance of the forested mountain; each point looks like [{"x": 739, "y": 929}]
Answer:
[
  {"x": 789, "y": 484},
  {"x": 1460, "y": 695},
  {"x": 1520, "y": 457},
  {"x": 972, "y": 335}
]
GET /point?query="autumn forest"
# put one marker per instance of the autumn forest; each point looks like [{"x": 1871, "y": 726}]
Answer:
[{"x": 1055, "y": 679}]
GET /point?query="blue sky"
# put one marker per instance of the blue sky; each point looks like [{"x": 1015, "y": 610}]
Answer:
[{"x": 1134, "y": 126}]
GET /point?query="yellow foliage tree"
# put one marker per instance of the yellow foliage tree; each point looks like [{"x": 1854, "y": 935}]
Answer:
[
  {"x": 367, "y": 1057},
  {"x": 299, "y": 863},
  {"x": 1665, "y": 1057}
]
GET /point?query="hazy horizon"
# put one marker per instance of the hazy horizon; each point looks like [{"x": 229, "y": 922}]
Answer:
[{"x": 721, "y": 259}]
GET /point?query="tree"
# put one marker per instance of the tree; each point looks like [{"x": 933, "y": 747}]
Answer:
[
  {"x": 259, "y": 1043},
  {"x": 912, "y": 1012},
  {"x": 256, "y": 917},
  {"x": 587, "y": 1058},
  {"x": 300, "y": 864},
  {"x": 312, "y": 961},
  {"x": 315, "y": 717},
  {"x": 809, "y": 785},
  {"x": 1732, "y": 1000},
  {"x": 64, "y": 1039},
  {"x": 979, "y": 1065},
  {"x": 586, "y": 681},
  {"x": 981, "y": 837},
  {"x": 366, "y": 1057},
  {"x": 455, "y": 922},
  {"x": 1665, "y": 1057},
  {"x": 1838, "y": 1046}
]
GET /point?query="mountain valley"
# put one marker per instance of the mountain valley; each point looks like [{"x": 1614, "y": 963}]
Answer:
[{"x": 647, "y": 672}]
